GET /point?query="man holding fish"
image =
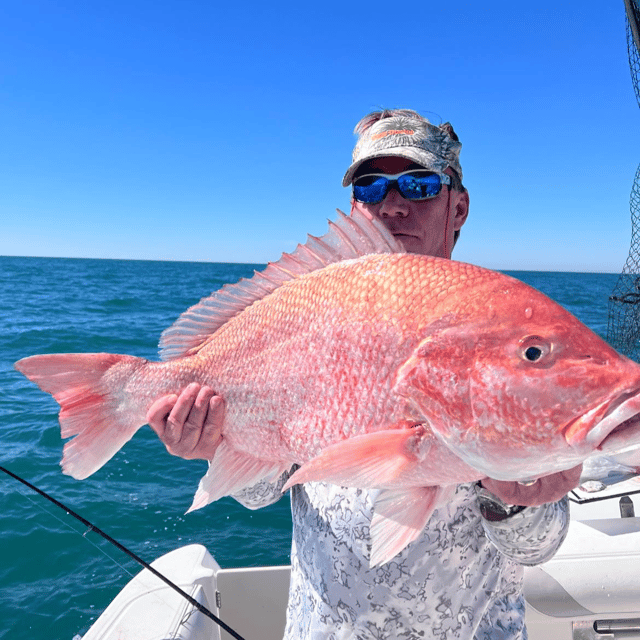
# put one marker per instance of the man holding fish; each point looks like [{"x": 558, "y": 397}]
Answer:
[{"x": 462, "y": 577}]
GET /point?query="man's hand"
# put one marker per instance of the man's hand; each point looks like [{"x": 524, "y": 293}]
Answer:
[
  {"x": 189, "y": 425},
  {"x": 546, "y": 489}
]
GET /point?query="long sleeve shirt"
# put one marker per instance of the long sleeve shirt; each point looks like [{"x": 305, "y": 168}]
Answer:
[{"x": 462, "y": 578}]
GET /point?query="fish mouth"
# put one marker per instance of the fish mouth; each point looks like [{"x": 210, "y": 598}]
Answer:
[
  {"x": 624, "y": 436},
  {"x": 610, "y": 427}
]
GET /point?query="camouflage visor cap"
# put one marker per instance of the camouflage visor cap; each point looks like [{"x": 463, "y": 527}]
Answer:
[{"x": 416, "y": 140}]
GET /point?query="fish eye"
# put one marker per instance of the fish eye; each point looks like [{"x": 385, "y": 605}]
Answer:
[
  {"x": 534, "y": 348},
  {"x": 533, "y": 353}
]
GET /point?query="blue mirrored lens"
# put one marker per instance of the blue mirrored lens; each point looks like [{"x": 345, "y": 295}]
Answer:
[
  {"x": 370, "y": 189},
  {"x": 413, "y": 186},
  {"x": 417, "y": 187}
]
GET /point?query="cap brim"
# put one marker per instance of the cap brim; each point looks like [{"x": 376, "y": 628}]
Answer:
[{"x": 419, "y": 156}]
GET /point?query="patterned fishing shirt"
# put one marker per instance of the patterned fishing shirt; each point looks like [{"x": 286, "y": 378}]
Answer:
[{"x": 462, "y": 578}]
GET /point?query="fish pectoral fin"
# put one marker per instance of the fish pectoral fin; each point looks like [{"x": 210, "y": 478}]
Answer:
[
  {"x": 400, "y": 516},
  {"x": 230, "y": 471},
  {"x": 367, "y": 461}
]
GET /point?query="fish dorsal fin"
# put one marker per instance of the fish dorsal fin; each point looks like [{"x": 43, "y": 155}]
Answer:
[{"x": 348, "y": 237}]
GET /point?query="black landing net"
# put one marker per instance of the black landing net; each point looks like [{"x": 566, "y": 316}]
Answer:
[{"x": 623, "y": 330}]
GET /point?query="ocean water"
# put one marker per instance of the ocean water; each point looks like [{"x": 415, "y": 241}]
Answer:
[{"x": 55, "y": 577}]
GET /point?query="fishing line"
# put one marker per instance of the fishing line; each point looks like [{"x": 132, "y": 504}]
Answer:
[
  {"x": 131, "y": 554},
  {"x": 67, "y": 525}
]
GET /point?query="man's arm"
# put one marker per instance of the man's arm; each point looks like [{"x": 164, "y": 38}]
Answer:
[{"x": 528, "y": 523}]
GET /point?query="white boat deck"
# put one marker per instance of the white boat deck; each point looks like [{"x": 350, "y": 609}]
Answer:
[{"x": 589, "y": 591}]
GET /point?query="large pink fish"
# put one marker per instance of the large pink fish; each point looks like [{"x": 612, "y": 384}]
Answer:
[{"x": 390, "y": 370}]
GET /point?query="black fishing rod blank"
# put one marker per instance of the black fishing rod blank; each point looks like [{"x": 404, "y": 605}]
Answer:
[{"x": 131, "y": 554}]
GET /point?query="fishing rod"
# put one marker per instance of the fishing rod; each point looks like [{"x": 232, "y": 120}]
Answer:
[{"x": 138, "y": 559}]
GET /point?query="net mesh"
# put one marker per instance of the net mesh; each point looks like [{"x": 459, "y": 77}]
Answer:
[{"x": 623, "y": 330}]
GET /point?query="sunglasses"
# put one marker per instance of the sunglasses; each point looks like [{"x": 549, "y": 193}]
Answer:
[{"x": 417, "y": 184}]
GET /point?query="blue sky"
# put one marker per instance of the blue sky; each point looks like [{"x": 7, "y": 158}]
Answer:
[{"x": 219, "y": 132}]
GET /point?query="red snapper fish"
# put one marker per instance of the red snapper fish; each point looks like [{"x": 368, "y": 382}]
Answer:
[{"x": 371, "y": 368}]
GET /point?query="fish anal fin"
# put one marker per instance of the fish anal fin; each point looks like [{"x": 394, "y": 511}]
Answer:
[
  {"x": 371, "y": 460},
  {"x": 230, "y": 471},
  {"x": 400, "y": 516}
]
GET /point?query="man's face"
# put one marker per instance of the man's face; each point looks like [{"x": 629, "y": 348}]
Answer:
[{"x": 422, "y": 226}]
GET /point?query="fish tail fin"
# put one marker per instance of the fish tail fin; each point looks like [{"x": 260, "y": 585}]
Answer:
[{"x": 93, "y": 405}]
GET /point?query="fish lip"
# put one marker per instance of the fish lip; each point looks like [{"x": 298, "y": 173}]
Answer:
[
  {"x": 604, "y": 426},
  {"x": 613, "y": 442}
]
